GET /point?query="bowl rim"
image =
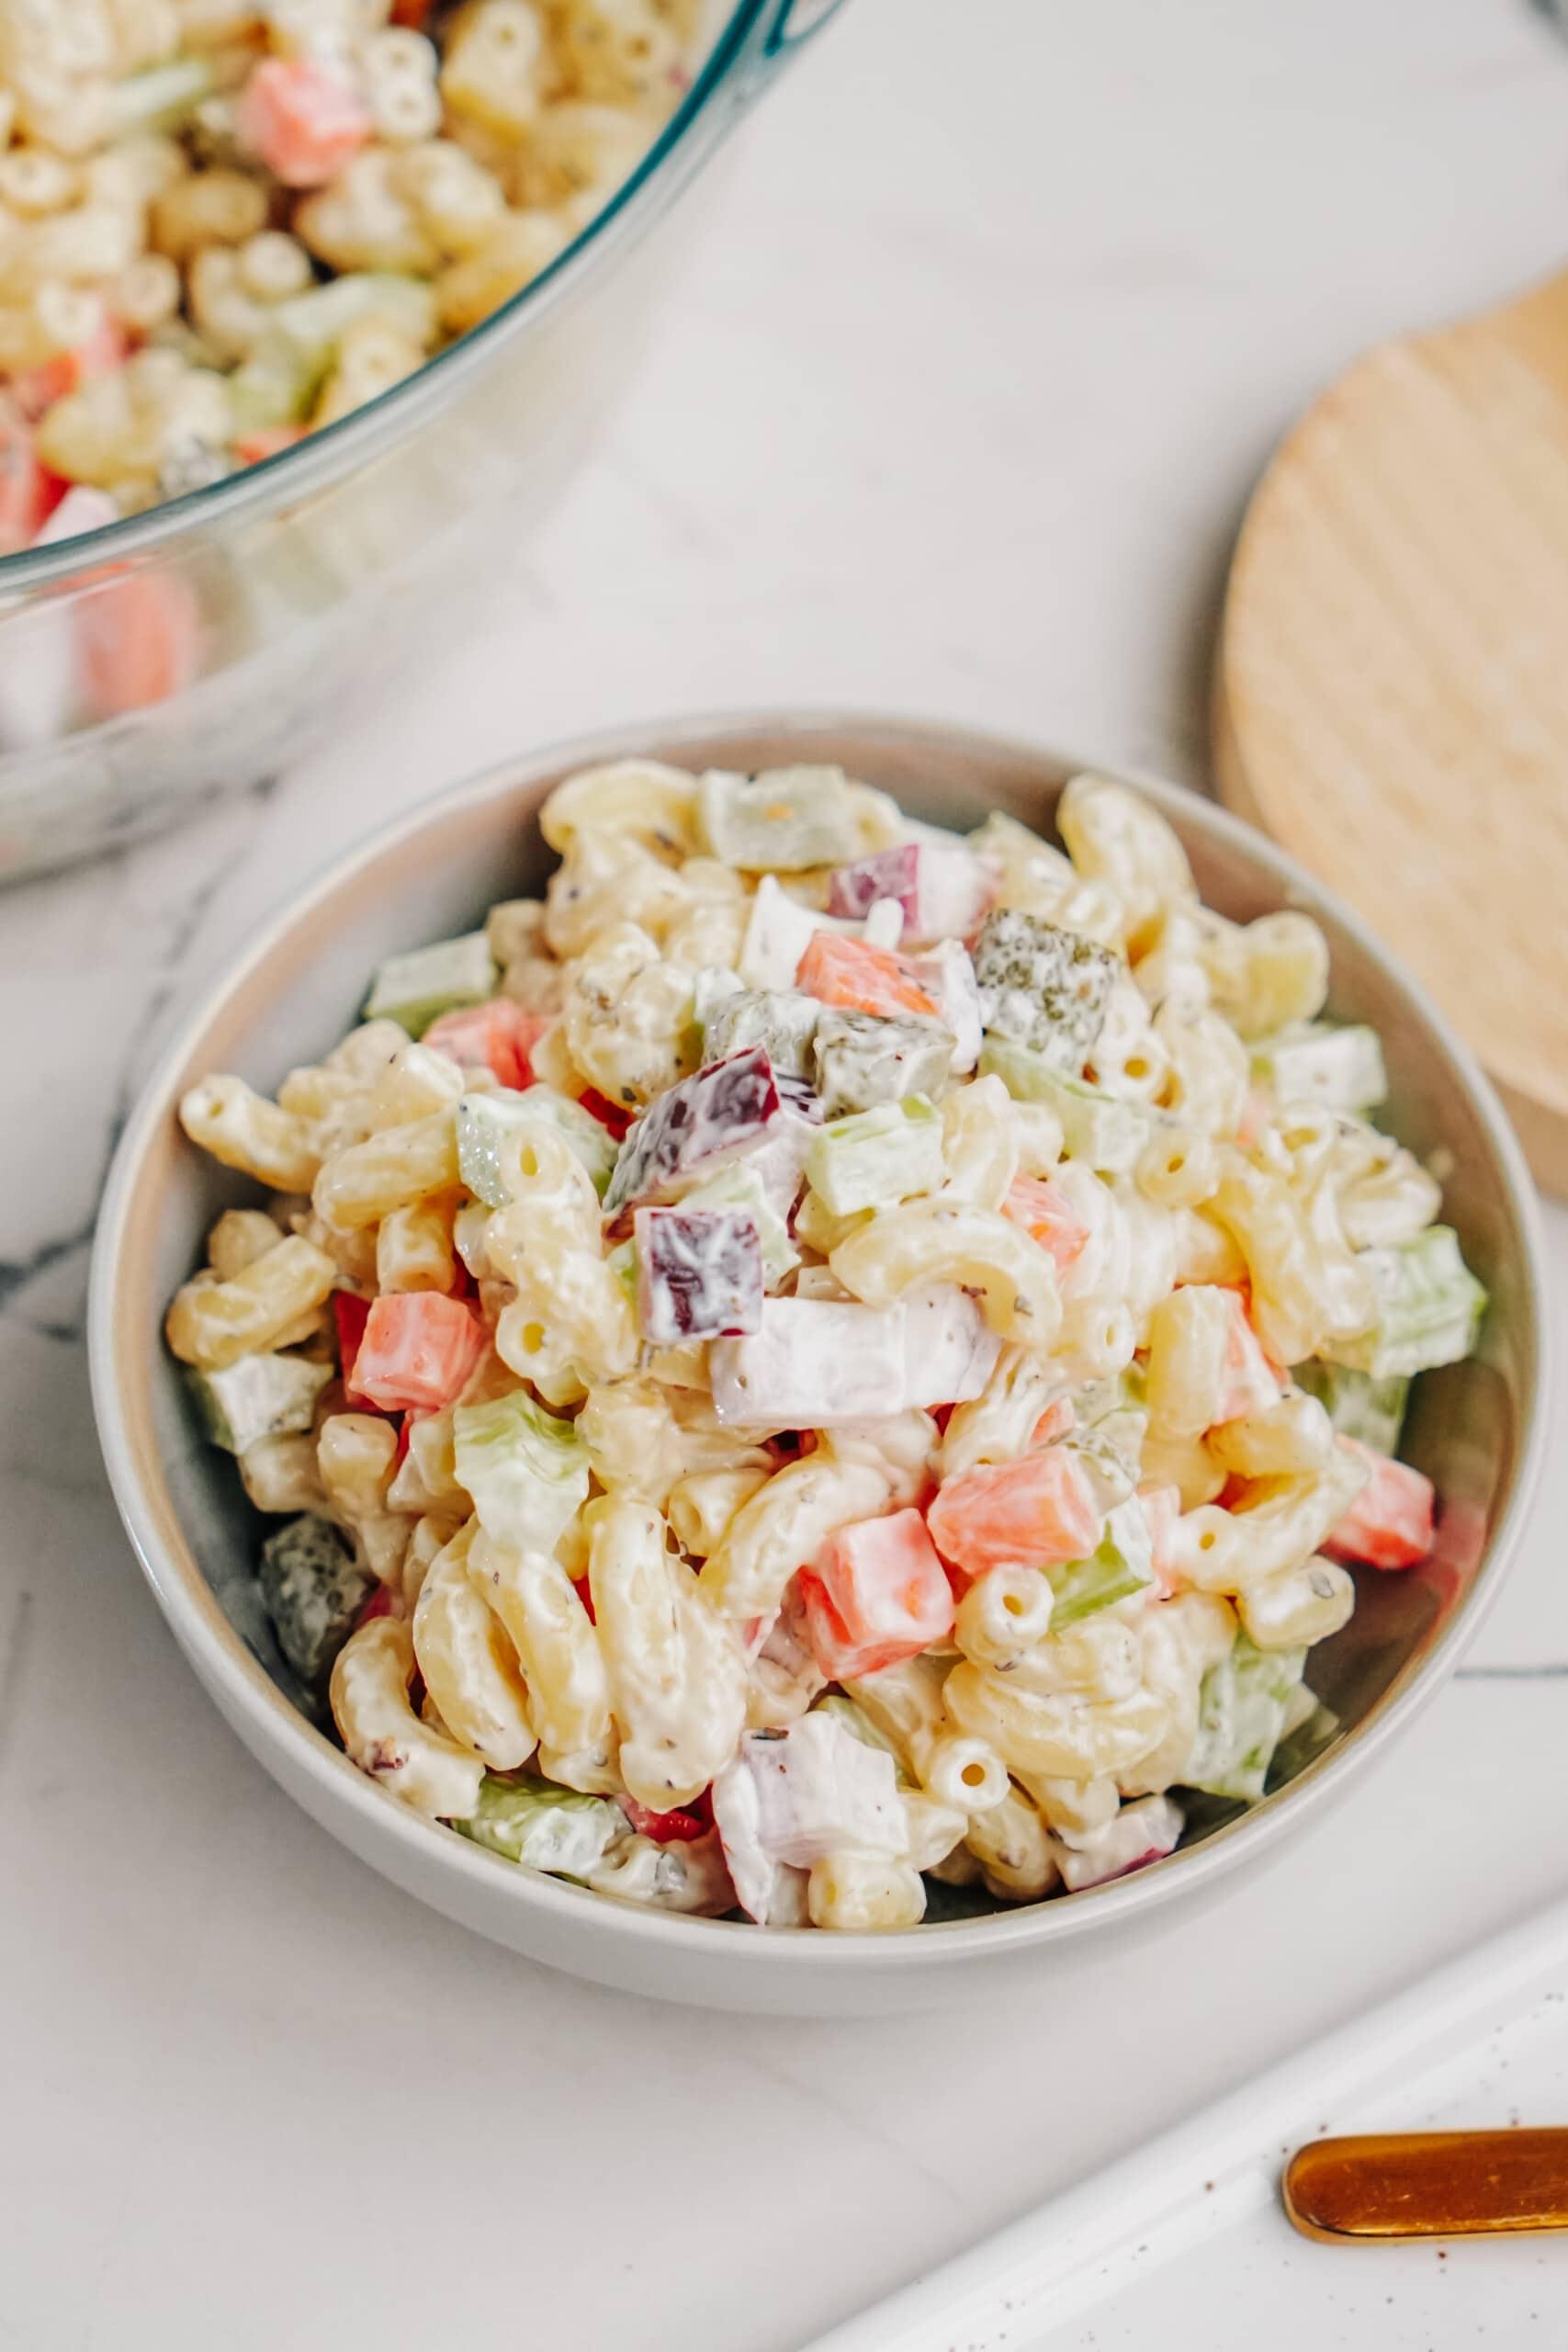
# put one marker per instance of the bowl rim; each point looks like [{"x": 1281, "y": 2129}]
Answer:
[
  {"x": 249, "y": 1698},
  {"x": 331, "y": 451}
]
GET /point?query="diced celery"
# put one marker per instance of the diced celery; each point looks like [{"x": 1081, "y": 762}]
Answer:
[
  {"x": 413, "y": 988},
  {"x": 863, "y": 1059},
  {"x": 741, "y": 1186},
  {"x": 268, "y": 388},
  {"x": 1429, "y": 1307},
  {"x": 876, "y": 1159},
  {"x": 780, "y": 1019},
  {"x": 1242, "y": 1708},
  {"x": 1120, "y": 1564},
  {"x": 261, "y": 1396},
  {"x": 526, "y": 1471},
  {"x": 1315, "y": 1062},
  {"x": 1359, "y": 1406},
  {"x": 309, "y": 326},
  {"x": 547, "y": 1828},
  {"x": 1099, "y": 1129},
  {"x": 161, "y": 98},
  {"x": 622, "y": 1262},
  {"x": 782, "y": 821},
  {"x": 314, "y": 1590}
]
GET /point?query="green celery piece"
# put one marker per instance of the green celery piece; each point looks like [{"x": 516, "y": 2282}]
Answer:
[
  {"x": 1099, "y": 1128},
  {"x": 416, "y": 988},
  {"x": 1430, "y": 1308},
  {"x": 874, "y": 1158},
  {"x": 1359, "y": 1405},
  {"x": 738, "y": 1186},
  {"x": 526, "y": 1471},
  {"x": 161, "y": 98},
  {"x": 1120, "y": 1564},
  {"x": 622, "y": 1262},
  {"x": 1340, "y": 1067},
  {"x": 309, "y": 326},
  {"x": 1242, "y": 1710},
  {"x": 545, "y": 1827},
  {"x": 261, "y": 1396},
  {"x": 784, "y": 821},
  {"x": 489, "y": 1129},
  {"x": 314, "y": 1590},
  {"x": 267, "y": 389}
]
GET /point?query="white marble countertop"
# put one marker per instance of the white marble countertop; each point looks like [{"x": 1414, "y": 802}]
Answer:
[{"x": 984, "y": 340}]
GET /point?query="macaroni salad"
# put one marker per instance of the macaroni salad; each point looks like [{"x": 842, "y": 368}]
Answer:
[
  {"x": 226, "y": 223},
  {"x": 826, "y": 1362}
]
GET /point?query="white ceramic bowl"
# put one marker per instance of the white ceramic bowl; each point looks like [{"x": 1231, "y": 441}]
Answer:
[{"x": 1475, "y": 1427}]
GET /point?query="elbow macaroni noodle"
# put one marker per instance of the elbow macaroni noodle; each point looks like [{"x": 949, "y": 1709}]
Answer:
[{"x": 1140, "y": 1389}]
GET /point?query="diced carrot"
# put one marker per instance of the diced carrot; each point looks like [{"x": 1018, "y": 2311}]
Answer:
[
  {"x": 613, "y": 1117},
  {"x": 1047, "y": 1216},
  {"x": 1253, "y": 1112},
  {"x": 417, "y": 1351},
  {"x": 664, "y": 1828},
  {"x": 251, "y": 448},
  {"x": 847, "y": 972},
  {"x": 877, "y": 1594},
  {"x": 1030, "y": 1513},
  {"x": 1162, "y": 1509},
  {"x": 138, "y": 639},
  {"x": 1058, "y": 1417},
  {"x": 498, "y": 1035},
  {"x": 1390, "y": 1525},
  {"x": 36, "y": 390},
  {"x": 411, "y": 13},
  {"x": 303, "y": 121},
  {"x": 28, "y": 490}
]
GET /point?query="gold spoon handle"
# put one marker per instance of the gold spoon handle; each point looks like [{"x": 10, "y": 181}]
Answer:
[{"x": 1428, "y": 2184}]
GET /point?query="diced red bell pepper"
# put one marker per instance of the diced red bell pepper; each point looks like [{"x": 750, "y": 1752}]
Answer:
[
  {"x": 350, "y": 1314},
  {"x": 251, "y": 448},
  {"x": 584, "y": 1591},
  {"x": 497, "y": 1036},
  {"x": 303, "y": 121},
  {"x": 847, "y": 972},
  {"x": 1048, "y": 1217},
  {"x": 379, "y": 1605},
  {"x": 664, "y": 1828},
  {"x": 417, "y": 1351},
  {"x": 36, "y": 390},
  {"x": 401, "y": 1452},
  {"x": 613, "y": 1117},
  {"x": 1031, "y": 1513},
  {"x": 29, "y": 492},
  {"x": 1390, "y": 1525},
  {"x": 138, "y": 639},
  {"x": 876, "y": 1594}
]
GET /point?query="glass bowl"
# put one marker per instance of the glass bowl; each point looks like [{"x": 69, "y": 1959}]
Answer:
[{"x": 340, "y": 551}]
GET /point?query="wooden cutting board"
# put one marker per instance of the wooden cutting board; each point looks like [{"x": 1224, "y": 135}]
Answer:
[{"x": 1392, "y": 691}]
